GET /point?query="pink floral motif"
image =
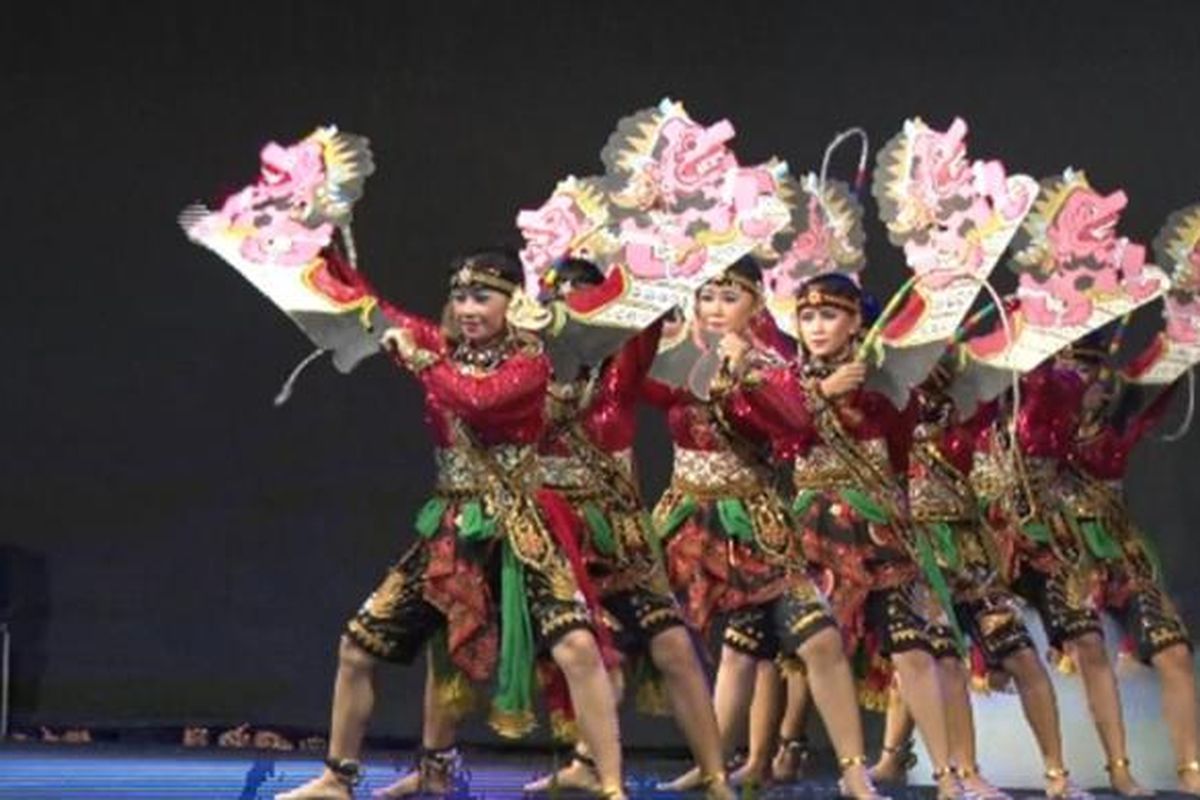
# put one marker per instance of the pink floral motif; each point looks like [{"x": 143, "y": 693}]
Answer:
[
  {"x": 550, "y": 230},
  {"x": 692, "y": 159},
  {"x": 268, "y": 213},
  {"x": 1077, "y": 259},
  {"x": 939, "y": 206},
  {"x": 278, "y": 240},
  {"x": 656, "y": 247}
]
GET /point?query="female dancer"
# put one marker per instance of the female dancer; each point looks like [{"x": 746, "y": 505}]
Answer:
[
  {"x": 484, "y": 390},
  {"x": 1132, "y": 588},
  {"x": 851, "y": 451},
  {"x": 1017, "y": 484},
  {"x": 730, "y": 545},
  {"x": 942, "y": 501},
  {"x": 586, "y": 457}
]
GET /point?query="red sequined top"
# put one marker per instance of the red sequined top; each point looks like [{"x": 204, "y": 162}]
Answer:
[
  {"x": 501, "y": 403},
  {"x": 775, "y": 405},
  {"x": 1103, "y": 451},
  {"x": 1051, "y": 402},
  {"x": 610, "y": 417}
]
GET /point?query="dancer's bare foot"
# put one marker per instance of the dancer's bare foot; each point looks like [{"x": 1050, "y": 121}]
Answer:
[
  {"x": 948, "y": 785},
  {"x": 579, "y": 774},
  {"x": 1121, "y": 779},
  {"x": 689, "y": 781},
  {"x": 1189, "y": 777},
  {"x": 326, "y": 786},
  {"x": 979, "y": 787},
  {"x": 433, "y": 775},
  {"x": 790, "y": 761},
  {"x": 856, "y": 780},
  {"x": 751, "y": 774}
]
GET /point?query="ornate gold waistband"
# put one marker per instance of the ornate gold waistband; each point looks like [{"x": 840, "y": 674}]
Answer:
[
  {"x": 930, "y": 500},
  {"x": 1084, "y": 497},
  {"x": 460, "y": 471},
  {"x": 993, "y": 474},
  {"x": 822, "y": 468},
  {"x": 572, "y": 473},
  {"x": 713, "y": 473}
]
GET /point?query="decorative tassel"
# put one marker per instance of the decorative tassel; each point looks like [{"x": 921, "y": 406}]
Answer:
[
  {"x": 429, "y": 518},
  {"x": 1062, "y": 661},
  {"x": 1099, "y": 541},
  {"x": 866, "y": 507},
  {"x": 602, "y": 533},
  {"x": 473, "y": 524},
  {"x": 735, "y": 520},
  {"x": 680, "y": 514},
  {"x": 804, "y": 501},
  {"x": 454, "y": 691}
]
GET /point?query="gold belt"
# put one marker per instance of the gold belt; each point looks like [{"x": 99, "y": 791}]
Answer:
[
  {"x": 713, "y": 473},
  {"x": 822, "y": 468},
  {"x": 458, "y": 472},
  {"x": 572, "y": 474}
]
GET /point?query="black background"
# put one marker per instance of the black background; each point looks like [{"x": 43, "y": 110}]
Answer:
[{"x": 177, "y": 550}]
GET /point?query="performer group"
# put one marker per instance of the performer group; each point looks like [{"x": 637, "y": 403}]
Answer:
[{"x": 863, "y": 499}]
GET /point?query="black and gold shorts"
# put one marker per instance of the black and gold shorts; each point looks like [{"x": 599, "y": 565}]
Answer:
[
  {"x": 994, "y": 623},
  {"x": 781, "y": 626},
  {"x": 907, "y": 618},
  {"x": 638, "y": 615},
  {"x": 397, "y": 619},
  {"x": 1150, "y": 619},
  {"x": 1065, "y": 610}
]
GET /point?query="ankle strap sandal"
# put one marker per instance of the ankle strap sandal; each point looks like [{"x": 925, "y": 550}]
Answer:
[
  {"x": 797, "y": 746},
  {"x": 440, "y": 764},
  {"x": 1069, "y": 791},
  {"x": 1117, "y": 764},
  {"x": 348, "y": 771},
  {"x": 1186, "y": 767},
  {"x": 905, "y": 752}
]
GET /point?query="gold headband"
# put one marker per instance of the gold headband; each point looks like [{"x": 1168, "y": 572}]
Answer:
[
  {"x": 472, "y": 275},
  {"x": 814, "y": 297},
  {"x": 732, "y": 278}
]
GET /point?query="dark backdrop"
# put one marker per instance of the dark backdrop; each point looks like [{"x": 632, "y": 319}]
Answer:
[{"x": 178, "y": 550}]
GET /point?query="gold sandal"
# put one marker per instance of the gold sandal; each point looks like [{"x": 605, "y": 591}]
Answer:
[{"x": 1070, "y": 791}]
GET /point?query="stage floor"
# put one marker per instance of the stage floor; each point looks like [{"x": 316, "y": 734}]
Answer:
[{"x": 65, "y": 772}]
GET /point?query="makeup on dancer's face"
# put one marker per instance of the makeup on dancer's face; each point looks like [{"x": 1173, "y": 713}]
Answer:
[
  {"x": 724, "y": 307},
  {"x": 826, "y": 330},
  {"x": 478, "y": 312}
]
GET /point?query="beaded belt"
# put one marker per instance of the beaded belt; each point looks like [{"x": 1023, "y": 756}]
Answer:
[
  {"x": 458, "y": 471},
  {"x": 713, "y": 473},
  {"x": 571, "y": 472},
  {"x": 821, "y": 468}
]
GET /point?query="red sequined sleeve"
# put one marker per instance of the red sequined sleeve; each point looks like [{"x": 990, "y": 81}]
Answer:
[
  {"x": 1149, "y": 416},
  {"x": 769, "y": 403},
  {"x": 658, "y": 394},
  {"x": 509, "y": 392},
  {"x": 625, "y": 373}
]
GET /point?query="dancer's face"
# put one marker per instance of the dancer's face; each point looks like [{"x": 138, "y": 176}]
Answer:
[
  {"x": 826, "y": 330},
  {"x": 725, "y": 308},
  {"x": 478, "y": 312}
]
